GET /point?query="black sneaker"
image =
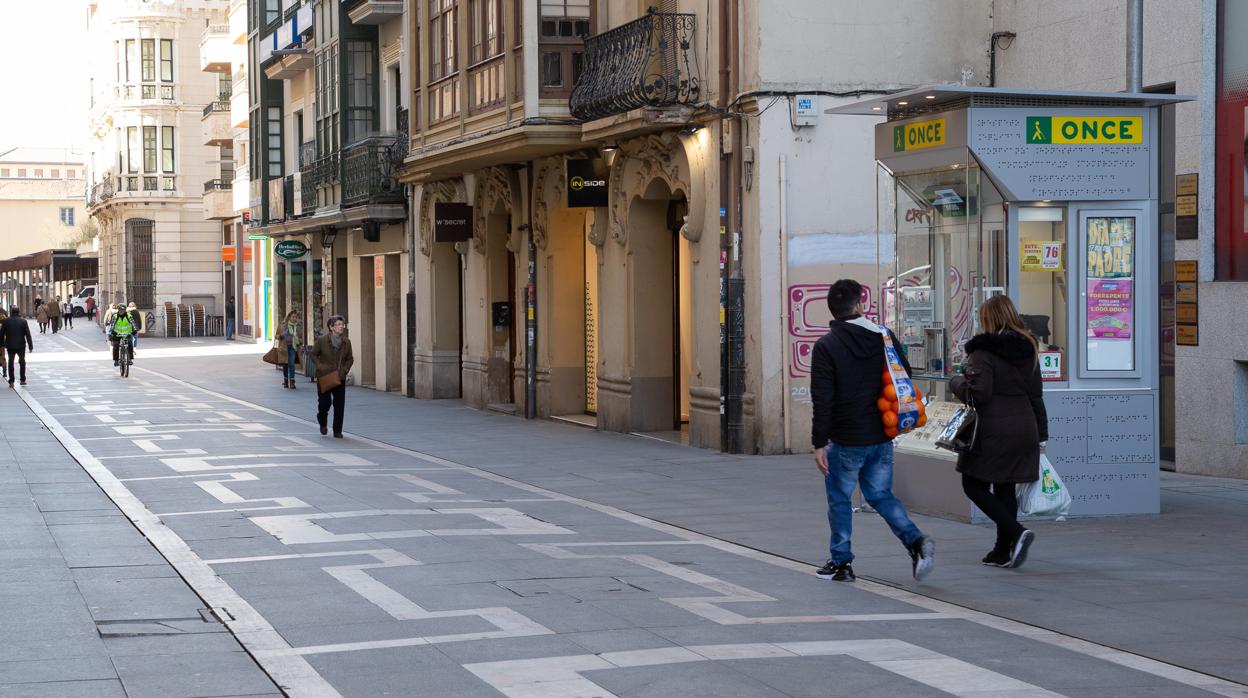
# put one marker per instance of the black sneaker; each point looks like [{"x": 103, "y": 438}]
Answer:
[
  {"x": 324, "y": 430},
  {"x": 1018, "y": 554},
  {"x": 337, "y": 435},
  {"x": 922, "y": 556},
  {"x": 999, "y": 556},
  {"x": 837, "y": 573}
]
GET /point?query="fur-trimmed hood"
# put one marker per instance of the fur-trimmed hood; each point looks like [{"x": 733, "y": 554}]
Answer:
[{"x": 1010, "y": 346}]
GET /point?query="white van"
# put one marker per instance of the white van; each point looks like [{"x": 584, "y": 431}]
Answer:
[{"x": 80, "y": 300}]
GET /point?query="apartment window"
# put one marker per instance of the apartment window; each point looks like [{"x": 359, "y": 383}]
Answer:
[
  {"x": 132, "y": 59},
  {"x": 442, "y": 30},
  {"x": 565, "y": 19},
  {"x": 55, "y": 174},
  {"x": 4, "y": 172},
  {"x": 361, "y": 89},
  {"x": 149, "y": 59},
  {"x": 71, "y": 174},
  {"x": 132, "y": 149},
  {"x": 67, "y": 215},
  {"x": 21, "y": 172},
  {"x": 149, "y": 148},
  {"x": 38, "y": 174},
  {"x": 117, "y": 58},
  {"x": 273, "y": 141},
  {"x": 487, "y": 20},
  {"x": 166, "y": 149},
  {"x": 166, "y": 60},
  {"x": 327, "y": 104},
  {"x": 562, "y": 55}
]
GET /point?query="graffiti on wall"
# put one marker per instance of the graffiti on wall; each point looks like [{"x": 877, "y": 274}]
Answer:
[{"x": 808, "y": 321}]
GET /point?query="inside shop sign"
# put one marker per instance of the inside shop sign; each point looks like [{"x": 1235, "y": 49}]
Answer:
[
  {"x": 1042, "y": 255},
  {"x": 918, "y": 135},
  {"x": 1083, "y": 130}
]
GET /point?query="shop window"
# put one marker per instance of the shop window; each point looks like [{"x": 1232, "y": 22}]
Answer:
[
  {"x": 1042, "y": 284},
  {"x": 1232, "y": 141},
  {"x": 1240, "y": 389}
]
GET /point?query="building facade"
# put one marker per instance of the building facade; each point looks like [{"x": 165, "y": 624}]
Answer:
[
  {"x": 148, "y": 158},
  {"x": 42, "y": 200},
  {"x": 328, "y": 98}
]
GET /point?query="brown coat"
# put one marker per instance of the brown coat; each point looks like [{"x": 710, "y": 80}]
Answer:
[
  {"x": 325, "y": 359},
  {"x": 1003, "y": 378},
  {"x": 41, "y": 313}
]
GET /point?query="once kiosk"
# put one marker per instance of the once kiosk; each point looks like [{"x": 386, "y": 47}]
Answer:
[{"x": 1053, "y": 199}]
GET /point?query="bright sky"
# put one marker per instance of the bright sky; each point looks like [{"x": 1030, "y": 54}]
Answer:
[{"x": 44, "y": 86}]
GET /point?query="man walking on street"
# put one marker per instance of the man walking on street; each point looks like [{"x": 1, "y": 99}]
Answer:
[
  {"x": 851, "y": 448},
  {"x": 15, "y": 335},
  {"x": 229, "y": 319}
]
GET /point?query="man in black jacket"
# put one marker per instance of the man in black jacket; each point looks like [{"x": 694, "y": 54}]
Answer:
[
  {"x": 851, "y": 448},
  {"x": 15, "y": 334}
]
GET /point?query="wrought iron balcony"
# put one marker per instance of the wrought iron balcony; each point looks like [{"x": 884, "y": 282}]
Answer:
[
  {"x": 217, "y": 184},
  {"x": 648, "y": 62},
  {"x": 370, "y": 170},
  {"x": 215, "y": 107},
  {"x": 102, "y": 191}
]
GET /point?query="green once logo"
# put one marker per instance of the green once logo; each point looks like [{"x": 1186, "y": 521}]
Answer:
[
  {"x": 899, "y": 139},
  {"x": 290, "y": 249},
  {"x": 1039, "y": 129}
]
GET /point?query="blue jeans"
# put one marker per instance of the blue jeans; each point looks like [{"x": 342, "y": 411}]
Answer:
[
  {"x": 870, "y": 467},
  {"x": 290, "y": 361},
  {"x": 229, "y": 328}
]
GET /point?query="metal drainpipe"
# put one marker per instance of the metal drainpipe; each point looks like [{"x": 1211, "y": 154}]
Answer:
[
  {"x": 413, "y": 250},
  {"x": 725, "y": 205},
  {"x": 736, "y": 281},
  {"x": 530, "y": 301},
  {"x": 1135, "y": 45}
]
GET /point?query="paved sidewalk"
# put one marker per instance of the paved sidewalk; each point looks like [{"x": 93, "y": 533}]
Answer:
[
  {"x": 1171, "y": 587},
  {"x": 87, "y": 606}
]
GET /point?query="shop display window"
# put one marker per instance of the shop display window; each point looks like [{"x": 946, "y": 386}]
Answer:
[{"x": 1042, "y": 284}]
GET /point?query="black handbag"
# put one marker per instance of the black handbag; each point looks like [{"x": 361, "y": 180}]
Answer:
[{"x": 960, "y": 433}]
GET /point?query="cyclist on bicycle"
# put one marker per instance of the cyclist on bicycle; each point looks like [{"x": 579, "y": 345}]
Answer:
[{"x": 124, "y": 323}]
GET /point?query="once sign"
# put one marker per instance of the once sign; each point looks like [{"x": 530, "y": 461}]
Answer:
[
  {"x": 1085, "y": 129},
  {"x": 452, "y": 222},
  {"x": 919, "y": 135},
  {"x": 290, "y": 249}
]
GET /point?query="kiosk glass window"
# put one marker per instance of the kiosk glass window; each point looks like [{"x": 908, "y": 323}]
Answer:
[
  {"x": 1109, "y": 314},
  {"x": 1042, "y": 284},
  {"x": 951, "y": 255}
]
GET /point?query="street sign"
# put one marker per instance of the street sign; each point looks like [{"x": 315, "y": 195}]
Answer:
[
  {"x": 290, "y": 249},
  {"x": 254, "y": 236}
]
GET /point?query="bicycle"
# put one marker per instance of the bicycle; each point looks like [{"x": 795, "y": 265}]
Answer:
[{"x": 125, "y": 354}]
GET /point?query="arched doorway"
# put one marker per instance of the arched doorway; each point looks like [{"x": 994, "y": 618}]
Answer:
[
  {"x": 501, "y": 308},
  {"x": 660, "y": 291}
]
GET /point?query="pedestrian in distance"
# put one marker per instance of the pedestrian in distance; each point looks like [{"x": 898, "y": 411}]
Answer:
[
  {"x": 851, "y": 448},
  {"x": 54, "y": 314},
  {"x": 108, "y": 318},
  {"x": 140, "y": 326},
  {"x": 287, "y": 340},
  {"x": 1001, "y": 378},
  {"x": 41, "y": 315},
  {"x": 332, "y": 352},
  {"x": 90, "y": 306},
  {"x": 229, "y": 319},
  {"x": 15, "y": 335},
  {"x": 67, "y": 312}
]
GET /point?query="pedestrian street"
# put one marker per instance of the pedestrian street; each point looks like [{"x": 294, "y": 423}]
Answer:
[{"x": 352, "y": 567}]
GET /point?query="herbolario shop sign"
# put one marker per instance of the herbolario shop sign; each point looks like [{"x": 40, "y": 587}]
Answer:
[{"x": 290, "y": 249}]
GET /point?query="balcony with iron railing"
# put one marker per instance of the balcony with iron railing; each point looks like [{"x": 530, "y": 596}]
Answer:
[
  {"x": 648, "y": 62},
  {"x": 217, "y": 50},
  {"x": 219, "y": 197},
  {"x": 216, "y": 126},
  {"x": 370, "y": 170},
  {"x": 102, "y": 190}
]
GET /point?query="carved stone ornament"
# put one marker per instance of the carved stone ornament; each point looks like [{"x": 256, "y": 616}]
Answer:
[
  {"x": 431, "y": 193},
  {"x": 549, "y": 181},
  {"x": 493, "y": 186},
  {"x": 640, "y": 162}
]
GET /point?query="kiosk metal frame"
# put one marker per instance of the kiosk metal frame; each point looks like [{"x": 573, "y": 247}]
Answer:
[{"x": 1053, "y": 199}]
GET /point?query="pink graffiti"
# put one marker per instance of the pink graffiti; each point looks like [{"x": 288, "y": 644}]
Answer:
[{"x": 807, "y": 303}]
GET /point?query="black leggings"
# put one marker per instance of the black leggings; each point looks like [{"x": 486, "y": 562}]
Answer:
[{"x": 1000, "y": 504}]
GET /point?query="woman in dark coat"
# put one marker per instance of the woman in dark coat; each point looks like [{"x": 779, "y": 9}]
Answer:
[
  {"x": 332, "y": 352},
  {"x": 1002, "y": 379}
]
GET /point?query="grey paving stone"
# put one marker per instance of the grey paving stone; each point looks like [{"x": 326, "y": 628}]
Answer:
[
  {"x": 403, "y": 671},
  {"x": 144, "y": 598},
  {"x": 108, "y": 688},
  {"x": 700, "y": 679},
  {"x": 189, "y": 675},
  {"x": 81, "y": 668}
]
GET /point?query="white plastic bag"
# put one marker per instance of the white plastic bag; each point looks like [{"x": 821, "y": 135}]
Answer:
[{"x": 1046, "y": 496}]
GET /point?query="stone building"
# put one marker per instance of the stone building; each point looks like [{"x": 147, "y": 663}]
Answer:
[
  {"x": 42, "y": 200},
  {"x": 148, "y": 158}
]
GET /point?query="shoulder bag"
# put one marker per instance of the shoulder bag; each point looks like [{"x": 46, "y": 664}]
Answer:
[
  {"x": 333, "y": 379},
  {"x": 962, "y": 429}
]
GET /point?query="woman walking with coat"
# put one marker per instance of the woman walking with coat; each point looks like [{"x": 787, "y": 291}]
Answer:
[
  {"x": 287, "y": 342},
  {"x": 41, "y": 316},
  {"x": 332, "y": 353},
  {"x": 1002, "y": 380}
]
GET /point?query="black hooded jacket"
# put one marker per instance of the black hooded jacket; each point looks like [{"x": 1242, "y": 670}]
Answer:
[{"x": 846, "y": 379}]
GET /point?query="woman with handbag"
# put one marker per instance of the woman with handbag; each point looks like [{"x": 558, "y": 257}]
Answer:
[
  {"x": 287, "y": 348},
  {"x": 332, "y": 359},
  {"x": 1001, "y": 378}
]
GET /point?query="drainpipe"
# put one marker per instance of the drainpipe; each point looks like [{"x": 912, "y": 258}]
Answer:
[
  {"x": 725, "y": 206},
  {"x": 530, "y": 300},
  {"x": 736, "y": 281},
  {"x": 1001, "y": 40},
  {"x": 413, "y": 251},
  {"x": 1135, "y": 45}
]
